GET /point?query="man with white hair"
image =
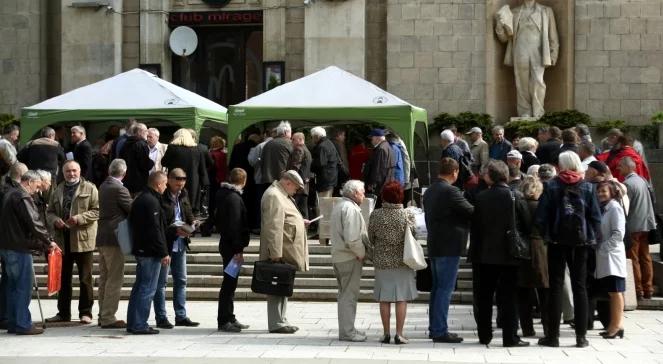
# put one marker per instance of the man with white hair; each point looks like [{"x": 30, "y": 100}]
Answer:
[
  {"x": 114, "y": 206},
  {"x": 639, "y": 222},
  {"x": 157, "y": 149},
  {"x": 453, "y": 151},
  {"x": 81, "y": 150},
  {"x": 348, "y": 237},
  {"x": 325, "y": 162},
  {"x": 569, "y": 218},
  {"x": 276, "y": 153},
  {"x": 527, "y": 146}
]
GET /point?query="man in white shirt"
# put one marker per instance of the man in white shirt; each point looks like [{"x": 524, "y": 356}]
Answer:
[
  {"x": 586, "y": 152},
  {"x": 157, "y": 150}
]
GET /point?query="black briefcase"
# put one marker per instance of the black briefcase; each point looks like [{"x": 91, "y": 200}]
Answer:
[{"x": 274, "y": 279}]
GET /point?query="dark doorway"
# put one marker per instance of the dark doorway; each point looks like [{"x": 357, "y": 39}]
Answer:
[{"x": 226, "y": 67}]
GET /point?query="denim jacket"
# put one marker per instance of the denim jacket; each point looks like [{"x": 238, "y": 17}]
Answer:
[{"x": 550, "y": 204}]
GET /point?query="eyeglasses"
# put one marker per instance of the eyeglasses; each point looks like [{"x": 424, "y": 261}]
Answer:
[{"x": 179, "y": 178}]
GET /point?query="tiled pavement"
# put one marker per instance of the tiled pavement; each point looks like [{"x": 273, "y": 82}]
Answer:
[{"x": 316, "y": 342}]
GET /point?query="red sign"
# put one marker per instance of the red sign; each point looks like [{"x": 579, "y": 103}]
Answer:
[{"x": 248, "y": 17}]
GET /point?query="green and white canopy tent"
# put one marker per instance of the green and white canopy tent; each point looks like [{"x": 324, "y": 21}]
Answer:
[
  {"x": 136, "y": 93},
  {"x": 330, "y": 95}
]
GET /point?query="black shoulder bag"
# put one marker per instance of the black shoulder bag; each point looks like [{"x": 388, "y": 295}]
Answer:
[{"x": 519, "y": 247}]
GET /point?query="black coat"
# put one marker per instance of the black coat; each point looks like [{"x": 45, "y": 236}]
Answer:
[
  {"x": 231, "y": 220},
  {"x": 239, "y": 158},
  {"x": 43, "y": 153},
  {"x": 169, "y": 212},
  {"x": 325, "y": 165},
  {"x": 547, "y": 150},
  {"x": 191, "y": 160},
  {"x": 564, "y": 148},
  {"x": 379, "y": 169},
  {"x": 275, "y": 157},
  {"x": 136, "y": 153},
  {"x": 448, "y": 216},
  {"x": 491, "y": 220},
  {"x": 83, "y": 155},
  {"x": 148, "y": 225},
  {"x": 529, "y": 160}
]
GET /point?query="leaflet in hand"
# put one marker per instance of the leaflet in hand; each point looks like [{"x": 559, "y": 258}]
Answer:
[{"x": 233, "y": 268}]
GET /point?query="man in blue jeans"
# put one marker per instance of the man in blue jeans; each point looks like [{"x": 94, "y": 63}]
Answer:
[
  {"x": 448, "y": 216},
  {"x": 177, "y": 209},
  {"x": 23, "y": 232},
  {"x": 148, "y": 232}
]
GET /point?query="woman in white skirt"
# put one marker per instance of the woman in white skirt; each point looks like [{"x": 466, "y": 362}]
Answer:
[{"x": 394, "y": 281}]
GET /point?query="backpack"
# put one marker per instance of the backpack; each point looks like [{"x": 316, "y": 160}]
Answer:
[{"x": 571, "y": 224}]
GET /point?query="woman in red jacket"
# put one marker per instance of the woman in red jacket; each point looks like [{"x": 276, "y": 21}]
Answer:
[{"x": 624, "y": 148}]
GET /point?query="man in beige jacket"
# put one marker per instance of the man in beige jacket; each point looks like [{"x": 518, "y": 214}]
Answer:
[
  {"x": 282, "y": 239},
  {"x": 73, "y": 211},
  {"x": 348, "y": 236}
]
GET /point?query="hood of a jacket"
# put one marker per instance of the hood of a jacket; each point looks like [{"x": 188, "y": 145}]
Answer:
[
  {"x": 231, "y": 187},
  {"x": 44, "y": 141},
  {"x": 570, "y": 177}
]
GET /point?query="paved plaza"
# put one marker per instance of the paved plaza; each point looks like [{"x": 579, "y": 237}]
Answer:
[{"x": 316, "y": 342}]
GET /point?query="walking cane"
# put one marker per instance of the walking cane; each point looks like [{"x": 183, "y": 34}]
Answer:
[{"x": 41, "y": 312}]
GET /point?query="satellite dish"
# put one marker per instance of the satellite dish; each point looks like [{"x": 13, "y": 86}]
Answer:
[{"x": 183, "y": 41}]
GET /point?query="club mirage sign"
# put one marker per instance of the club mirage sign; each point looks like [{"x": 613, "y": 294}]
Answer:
[{"x": 249, "y": 17}]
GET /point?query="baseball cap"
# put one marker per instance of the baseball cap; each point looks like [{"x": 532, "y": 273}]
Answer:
[
  {"x": 377, "y": 133},
  {"x": 599, "y": 166},
  {"x": 476, "y": 129},
  {"x": 294, "y": 177},
  {"x": 514, "y": 154}
]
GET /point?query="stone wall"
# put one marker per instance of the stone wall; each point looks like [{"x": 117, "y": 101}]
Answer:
[
  {"x": 130, "y": 35},
  {"x": 436, "y": 54},
  {"x": 22, "y": 52},
  {"x": 619, "y": 58},
  {"x": 294, "y": 41}
]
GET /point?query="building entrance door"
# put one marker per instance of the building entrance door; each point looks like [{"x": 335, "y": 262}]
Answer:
[{"x": 227, "y": 65}]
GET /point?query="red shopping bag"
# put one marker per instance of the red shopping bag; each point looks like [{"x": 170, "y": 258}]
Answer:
[{"x": 54, "y": 271}]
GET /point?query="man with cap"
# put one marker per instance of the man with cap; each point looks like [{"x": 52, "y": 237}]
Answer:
[
  {"x": 380, "y": 167},
  {"x": 514, "y": 159},
  {"x": 282, "y": 239},
  {"x": 478, "y": 148}
]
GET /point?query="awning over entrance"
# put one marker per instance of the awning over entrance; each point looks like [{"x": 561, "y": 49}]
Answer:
[
  {"x": 132, "y": 94},
  {"x": 330, "y": 95}
]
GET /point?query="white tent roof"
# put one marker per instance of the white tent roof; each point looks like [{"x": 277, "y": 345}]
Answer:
[
  {"x": 330, "y": 87},
  {"x": 131, "y": 90}
]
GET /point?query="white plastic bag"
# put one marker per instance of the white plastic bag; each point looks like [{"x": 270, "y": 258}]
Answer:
[{"x": 413, "y": 253}]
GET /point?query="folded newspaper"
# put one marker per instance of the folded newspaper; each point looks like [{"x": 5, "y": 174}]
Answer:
[{"x": 504, "y": 18}]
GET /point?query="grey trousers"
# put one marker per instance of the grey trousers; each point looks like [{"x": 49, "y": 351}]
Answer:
[
  {"x": 348, "y": 276},
  {"x": 276, "y": 311}
]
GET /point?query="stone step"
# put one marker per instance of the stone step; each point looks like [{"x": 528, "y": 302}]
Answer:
[
  {"x": 247, "y": 270},
  {"x": 300, "y": 294}
]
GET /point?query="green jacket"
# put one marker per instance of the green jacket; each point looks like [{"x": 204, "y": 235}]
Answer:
[{"x": 84, "y": 208}]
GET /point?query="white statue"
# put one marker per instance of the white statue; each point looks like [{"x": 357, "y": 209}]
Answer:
[{"x": 530, "y": 32}]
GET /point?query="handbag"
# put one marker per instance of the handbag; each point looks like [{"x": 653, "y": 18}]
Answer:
[
  {"x": 413, "y": 253},
  {"x": 54, "y": 271},
  {"x": 123, "y": 235},
  {"x": 519, "y": 247},
  {"x": 274, "y": 279}
]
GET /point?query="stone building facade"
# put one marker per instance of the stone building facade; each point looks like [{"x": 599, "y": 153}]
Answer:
[{"x": 441, "y": 55}]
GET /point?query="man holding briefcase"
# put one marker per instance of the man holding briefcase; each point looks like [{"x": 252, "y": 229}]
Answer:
[{"x": 282, "y": 239}]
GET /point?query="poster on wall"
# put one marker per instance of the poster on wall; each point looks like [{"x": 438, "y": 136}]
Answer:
[{"x": 273, "y": 74}]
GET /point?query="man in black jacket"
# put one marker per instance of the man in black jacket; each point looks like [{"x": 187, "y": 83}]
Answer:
[
  {"x": 448, "y": 216},
  {"x": 233, "y": 226},
  {"x": 43, "y": 153},
  {"x": 82, "y": 151},
  {"x": 148, "y": 232},
  {"x": 549, "y": 138},
  {"x": 23, "y": 232},
  {"x": 380, "y": 167},
  {"x": 325, "y": 162},
  {"x": 136, "y": 153},
  {"x": 177, "y": 210},
  {"x": 489, "y": 250}
]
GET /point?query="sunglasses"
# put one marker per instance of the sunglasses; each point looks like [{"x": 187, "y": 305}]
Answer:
[{"x": 179, "y": 178}]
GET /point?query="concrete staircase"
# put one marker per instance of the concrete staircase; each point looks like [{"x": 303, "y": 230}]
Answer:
[{"x": 205, "y": 273}]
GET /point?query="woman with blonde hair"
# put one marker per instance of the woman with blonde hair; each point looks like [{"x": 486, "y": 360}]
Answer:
[
  {"x": 183, "y": 153},
  {"x": 533, "y": 274}
]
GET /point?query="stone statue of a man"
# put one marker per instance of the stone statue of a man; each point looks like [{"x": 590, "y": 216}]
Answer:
[{"x": 530, "y": 32}]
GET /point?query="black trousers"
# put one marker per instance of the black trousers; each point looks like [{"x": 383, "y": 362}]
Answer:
[
  {"x": 226, "y": 309},
  {"x": 528, "y": 299},
  {"x": 301, "y": 201},
  {"x": 84, "y": 262},
  {"x": 576, "y": 258},
  {"x": 497, "y": 280}
]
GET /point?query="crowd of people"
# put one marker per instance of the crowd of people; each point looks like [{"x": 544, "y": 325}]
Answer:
[{"x": 581, "y": 213}]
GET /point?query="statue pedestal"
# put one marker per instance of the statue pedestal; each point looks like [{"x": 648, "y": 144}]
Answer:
[{"x": 521, "y": 118}]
